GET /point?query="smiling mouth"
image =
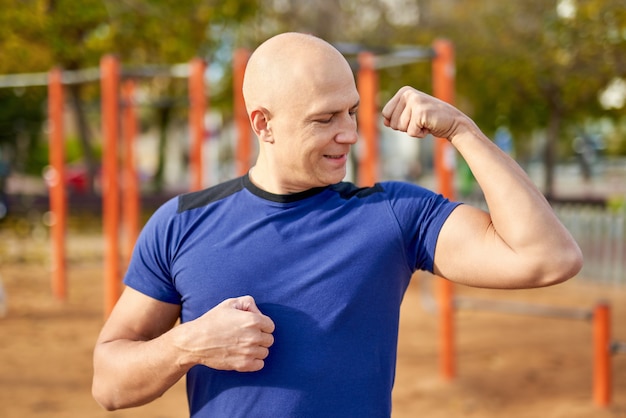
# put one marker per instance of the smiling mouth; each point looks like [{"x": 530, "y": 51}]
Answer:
[{"x": 334, "y": 157}]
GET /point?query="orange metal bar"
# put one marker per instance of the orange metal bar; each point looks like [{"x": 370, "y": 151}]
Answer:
[
  {"x": 243, "y": 150},
  {"x": 197, "y": 109},
  {"x": 602, "y": 379},
  {"x": 443, "y": 88},
  {"x": 56, "y": 181},
  {"x": 131, "y": 203},
  {"x": 367, "y": 81},
  {"x": 109, "y": 70}
]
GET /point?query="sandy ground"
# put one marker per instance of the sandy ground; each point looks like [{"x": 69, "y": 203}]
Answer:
[{"x": 507, "y": 365}]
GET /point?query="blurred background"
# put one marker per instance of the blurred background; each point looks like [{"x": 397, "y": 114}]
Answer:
[{"x": 545, "y": 79}]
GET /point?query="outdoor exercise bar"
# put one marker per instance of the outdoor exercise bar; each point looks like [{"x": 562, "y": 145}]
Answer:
[
  {"x": 367, "y": 84},
  {"x": 197, "y": 109},
  {"x": 55, "y": 177},
  {"x": 115, "y": 209},
  {"x": 243, "y": 147},
  {"x": 110, "y": 85},
  {"x": 443, "y": 69},
  {"x": 600, "y": 316},
  {"x": 602, "y": 378},
  {"x": 131, "y": 207}
]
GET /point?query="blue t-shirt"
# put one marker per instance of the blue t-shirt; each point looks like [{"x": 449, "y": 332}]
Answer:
[{"x": 329, "y": 266}]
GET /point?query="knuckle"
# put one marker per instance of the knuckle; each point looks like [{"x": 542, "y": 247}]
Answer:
[
  {"x": 264, "y": 352},
  {"x": 247, "y": 298},
  {"x": 251, "y": 365}
]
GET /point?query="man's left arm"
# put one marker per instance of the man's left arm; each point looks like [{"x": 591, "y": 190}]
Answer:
[{"x": 519, "y": 243}]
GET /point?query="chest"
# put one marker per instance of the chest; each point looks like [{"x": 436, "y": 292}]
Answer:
[{"x": 312, "y": 259}]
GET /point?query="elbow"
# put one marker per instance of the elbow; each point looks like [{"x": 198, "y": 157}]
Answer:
[
  {"x": 561, "y": 265},
  {"x": 573, "y": 263},
  {"x": 102, "y": 400},
  {"x": 101, "y": 391},
  {"x": 105, "y": 396},
  {"x": 112, "y": 397}
]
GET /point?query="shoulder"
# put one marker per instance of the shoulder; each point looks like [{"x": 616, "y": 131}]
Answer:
[
  {"x": 415, "y": 200},
  {"x": 168, "y": 215},
  {"x": 194, "y": 200}
]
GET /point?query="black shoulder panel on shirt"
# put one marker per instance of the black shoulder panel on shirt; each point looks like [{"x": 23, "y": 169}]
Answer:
[
  {"x": 201, "y": 198},
  {"x": 348, "y": 190}
]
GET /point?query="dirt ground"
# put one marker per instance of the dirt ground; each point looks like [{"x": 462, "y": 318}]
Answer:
[{"x": 507, "y": 365}]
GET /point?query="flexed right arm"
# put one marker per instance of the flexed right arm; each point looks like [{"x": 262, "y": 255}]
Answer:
[{"x": 140, "y": 354}]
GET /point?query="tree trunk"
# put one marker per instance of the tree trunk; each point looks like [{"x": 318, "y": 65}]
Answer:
[
  {"x": 552, "y": 140},
  {"x": 164, "y": 110}
]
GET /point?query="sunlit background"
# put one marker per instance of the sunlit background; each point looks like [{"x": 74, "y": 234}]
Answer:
[{"x": 545, "y": 79}]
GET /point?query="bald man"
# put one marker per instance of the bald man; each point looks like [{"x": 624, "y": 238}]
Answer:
[{"x": 288, "y": 281}]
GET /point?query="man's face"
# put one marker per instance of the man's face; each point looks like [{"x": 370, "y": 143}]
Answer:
[{"x": 314, "y": 131}]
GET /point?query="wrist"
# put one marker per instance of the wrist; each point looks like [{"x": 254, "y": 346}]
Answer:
[{"x": 465, "y": 128}]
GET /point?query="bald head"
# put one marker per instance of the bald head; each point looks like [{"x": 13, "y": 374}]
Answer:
[
  {"x": 301, "y": 100},
  {"x": 287, "y": 67}
]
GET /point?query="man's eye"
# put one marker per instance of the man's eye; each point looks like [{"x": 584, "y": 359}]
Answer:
[{"x": 324, "y": 120}]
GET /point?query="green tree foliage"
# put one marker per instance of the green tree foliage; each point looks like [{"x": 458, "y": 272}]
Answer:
[
  {"x": 524, "y": 65},
  {"x": 530, "y": 65},
  {"x": 21, "y": 118},
  {"x": 36, "y": 35}
]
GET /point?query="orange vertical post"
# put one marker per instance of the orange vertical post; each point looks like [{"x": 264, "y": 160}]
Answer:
[
  {"x": 602, "y": 379},
  {"x": 56, "y": 181},
  {"x": 243, "y": 149},
  {"x": 367, "y": 81},
  {"x": 197, "y": 109},
  {"x": 131, "y": 203},
  {"x": 443, "y": 88},
  {"x": 109, "y": 71}
]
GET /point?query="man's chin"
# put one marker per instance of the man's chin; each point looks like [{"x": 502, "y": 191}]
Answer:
[{"x": 335, "y": 178}]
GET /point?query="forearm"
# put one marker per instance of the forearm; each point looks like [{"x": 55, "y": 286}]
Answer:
[
  {"x": 132, "y": 373},
  {"x": 136, "y": 361}
]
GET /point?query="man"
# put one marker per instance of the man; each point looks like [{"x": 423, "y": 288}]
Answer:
[{"x": 288, "y": 281}]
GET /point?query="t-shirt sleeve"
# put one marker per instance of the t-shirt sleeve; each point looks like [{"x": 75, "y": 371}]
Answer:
[
  {"x": 149, "y": 268},
  {"x": 420, "y": 214}
]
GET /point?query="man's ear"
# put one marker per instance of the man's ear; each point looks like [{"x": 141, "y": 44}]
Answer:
[{"x": 260, "y": 121}]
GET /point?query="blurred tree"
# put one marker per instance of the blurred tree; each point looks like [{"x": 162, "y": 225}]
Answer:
[
  {"x": 73, "y": 34},
  {"x": 536, "y": 65},
  {"x": 530, "y": 66},
  {"x": 21, "y": 118}
]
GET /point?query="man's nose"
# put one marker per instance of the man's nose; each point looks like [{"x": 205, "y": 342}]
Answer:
[{"x": 347, "y": 131}]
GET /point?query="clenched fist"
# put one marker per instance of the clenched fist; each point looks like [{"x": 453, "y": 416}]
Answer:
[
  {"x": 234, "y": 335},
  {"x": 419, "y": 114}
]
